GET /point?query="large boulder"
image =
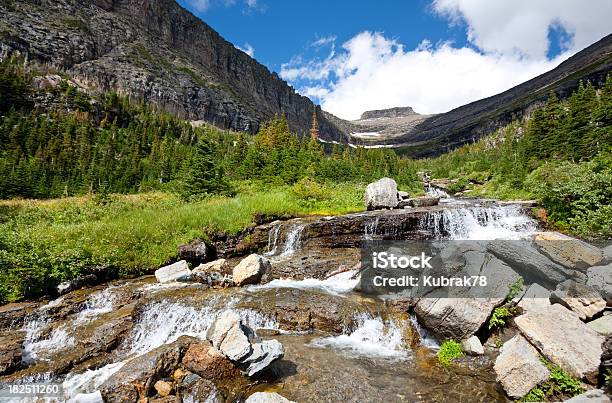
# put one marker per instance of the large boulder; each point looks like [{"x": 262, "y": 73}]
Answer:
[
  {"x": 11, "y": 344},
  {"x": 251, "y": 270},
  {"x": 135, "y": 381},
  {"x": 263, "y": 354},
  {"x": 581, "y": 299},
  {"x": 227, "y": 335},
  {"x": 267, "y": 397},
  {"x": 567, "y": 251},
  {"x": 423, "y": 201},
  {"x": 536, "y": 297},
  {"x": 603, "y": 325},
  {"x": 381, "y": 194},
  {"x": 194, "y": 388},
  {"x": 518, "y": 367},
  {"x": 600, "y": 278},
  {"x": 563, "y": 339},
  {"x": 178, "y": 271},
  {"x": 206, "y": 361}
]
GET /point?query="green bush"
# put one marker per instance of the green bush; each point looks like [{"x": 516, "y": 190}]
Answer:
[
  {"x": 449, "y": 351},
  {"x": 559, "y": 386},
  {"x": 499, "y": 317}
]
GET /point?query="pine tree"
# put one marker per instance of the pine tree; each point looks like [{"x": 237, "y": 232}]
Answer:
[{"x": 203, "y": 175}]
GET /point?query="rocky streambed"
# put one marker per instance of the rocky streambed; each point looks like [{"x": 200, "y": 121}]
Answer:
[{"x": 305, "y": 332}]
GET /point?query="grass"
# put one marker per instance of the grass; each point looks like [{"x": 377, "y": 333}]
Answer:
[
  {"x": 559, "y": 386},
  {"x": 449, "y": 351},
  {"x": 45, "y": 242}
]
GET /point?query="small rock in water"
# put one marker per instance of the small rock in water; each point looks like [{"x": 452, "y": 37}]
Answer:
[
  {"x": 518, "y": 367},
  {"x": 251, "y": 270},
  {"x": 263, "y": 354},
  {"x": 211, "y": 274},
  {"x": 381, "y": 194},
  {"x": 267, "y": 397},
  {"x": 581, "y": 299},
  {"x": 178, "y": 271},
  {"x": 227, "y": 336},
  {"x": 472, "y": 346},
  {"x": 197, "y": 389},
  {"x": 403, "y": 195},
  {"x": 163, "y": 388}
]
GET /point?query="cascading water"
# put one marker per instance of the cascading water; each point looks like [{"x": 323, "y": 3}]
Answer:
[
  {"x": 370, "y": 229},
  {"x": 435, "y": 192},
  {"x": 341, "y": 283},
  {"x": 97, "y": 304},
  {"x": 292, "y": 243},
  {"x": 479, "y": 223},
  {"x": 273, "y": 239}
]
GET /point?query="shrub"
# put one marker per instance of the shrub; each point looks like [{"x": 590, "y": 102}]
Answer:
[
  {"x": 559, "y": 386},
  {"x": 499, "y": 317},
  {"x": 310, "y": 191},
  {"x": 449, "y": 351}
]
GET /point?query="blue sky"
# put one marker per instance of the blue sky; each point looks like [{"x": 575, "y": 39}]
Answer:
[{"x": 433, "y": 55}]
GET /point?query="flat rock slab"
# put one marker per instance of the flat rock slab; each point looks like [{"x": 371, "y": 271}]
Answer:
[
  {"x": 583, "y": 300},
  {"x": 600, "y": 278},
  {"x": 535, "y": 298},
  {"x": 602, "y": 325},
  {"x": 567, "y": 251},
  {"x": 592, "y": 396},
  {"x": 178, "y": 271},
  {"x": 563, "y": 339},
  {"x": 518, "y": 367}
]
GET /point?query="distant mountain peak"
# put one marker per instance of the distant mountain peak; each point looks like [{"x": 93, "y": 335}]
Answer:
[{"x": 397, "y": 112}]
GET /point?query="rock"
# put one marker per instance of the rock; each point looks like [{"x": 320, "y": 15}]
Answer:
[
  {"x": 226, "y": 334},
  {"x": 591, "y": 396},
  {"x": 79, "y": 282},
  {"x": 178, "y": 271},
  {"x": 472, "y": 346},
  {"x": 600, "y": 278},
  {"x": 267, "y": 397},
  {"x": 196, "y": 251},
  {"x": 606, "y": 356},
  {"x": 381, "y": 194},
  {"x": 521, "y": 203},
  {"x": 580, "y": 298},
  {"x": 602, "y": 325},
  {"x": 567, "y": 251},
  {"x": 423, "y": 201},
  {"x": 518, "y": 367},
  {"x": 563, "y": 339},
  {"x": 403, "y": 195},
  {"x": 530, "y": 264},
  {"x": 136, "y": 379},
  {"x": 11, "y": 344},
  {"x": 194, "y": 388},
  {"x": 263, "y": 354},
  {"x": 163, "y": 388},
  {"x": 250, "y": 270},
  {"x": 212, "y": 274},
  {"x": 536, "y": 297},
  {"x": 442, "y": 183},
  {"x": 607, "y": 252},
  {"x": 209, "y": 363}
]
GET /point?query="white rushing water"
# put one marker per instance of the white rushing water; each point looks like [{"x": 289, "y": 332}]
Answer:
[
  {"x": 341, "y": 283},
  {"x": 372, "y": 337},
  {"x": 480, "y": 223},
  {"x": 83, "y": 387},
  {"x": 435, "y": 192},
  {"x": 273, "y": 239},
  {"x": 292, "y": 243},
  {"x": 98, "y": 303}
]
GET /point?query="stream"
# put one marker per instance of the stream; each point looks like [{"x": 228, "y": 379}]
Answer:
[{"x": 340, "y": 345}]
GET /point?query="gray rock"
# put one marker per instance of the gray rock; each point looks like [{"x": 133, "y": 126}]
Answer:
[
  {"x": 600, "y": 278},
  {"x": 267, "y": 397},
  {"x": 403, "y": 195},
  {"x": 263, "y": 354},
  {"x": 518, "y": 367},
  {"x": 472, "y": 346},
  {"x": 211, "y": 274},
  {"x": 79, "y": 282},
  {"x": 536, "y": 297},
  {"x": 226, "y": 334},
  {"x": 178, "y": 271},
  {"x": 532, "y": 265},
  {"x": 581, "y": 299},
  {"x": 381, "y": 194},
  {"x": 563, "y": 339},
  {"x": 250, "y": 270},
  {"x": 197, "y": 251},
  {"x": 423, "y": 201},
  {"x": 591, "y": 396},
  {"x": 567, "y": 251},
  {"x": 607, "y": 252},
  {"x": 11, "y": 344},
  {"x": 602, "y": 325}
]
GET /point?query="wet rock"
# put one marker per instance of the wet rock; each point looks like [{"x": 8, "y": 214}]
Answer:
[
  {"x": 212, "y": 274},
  {"x": 11, "y": 344},
  {"x": 196, "y": 251},
  {"x": 563, "y": 339},
  {"x": 206, "y": 361},
  {"x": 521, "y": 203},
  {"x": 603, "y": 325},
  {"x": 381, "y": 194},
  {"x": 163, "y": 388},
  {"x": 226, "y": 334},
  {"x": 532, "y": 265},
  {"x": 135, "y": 380},
  {"x": 581, "y": 299},
  {"x": 472, "y": 346},
  {"x": 518, "y": 367},
  {"x": 424, "y": 201},
  {"x": 178, "y": 271},
  {"x": 251, "y": 270},
  {"x": 536, "y": 297},
  {"x": 12, "y": 315},
  {"x": 194, "y": 388},
  {"x": 79, "y": 282},
  {"x": 403, "y": 195},
  {"x": 600, "y": 278},
  {"x": 263, "y": 354},
  {"x": 567, "y": 251},
  {"x": 607, "y": 252},
  {"x": 267, "y": 397},
  {"x": 591, "y": 396}
]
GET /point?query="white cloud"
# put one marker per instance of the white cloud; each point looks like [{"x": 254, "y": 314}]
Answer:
[
  {"x": 509, "y": 41},
  {"x": 199, "y": 6},
  {"x": 251, "y": 3},
  {"x": 248, "y": 49},
  {"x": 322, "y": 41}
]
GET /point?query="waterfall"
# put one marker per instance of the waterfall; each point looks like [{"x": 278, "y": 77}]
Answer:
[
  {"x": 370, "y": 229},
  {"x": 479, "y": 223},
  {"x": 338, "y": 284},
  {"x": 435, "y": 192},
  {"x": 292, "y": 243},
  {"x": 97, "y": 304},
  {"x": 273, "y": 239}
]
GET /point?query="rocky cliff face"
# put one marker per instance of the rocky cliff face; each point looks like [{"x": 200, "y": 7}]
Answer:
[{"x": 154, "y": 50}]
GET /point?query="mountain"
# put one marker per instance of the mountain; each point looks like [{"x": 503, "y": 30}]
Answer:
[
  {"x": 154, "y": 50},
  {"x": 424, "y": 136}
]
